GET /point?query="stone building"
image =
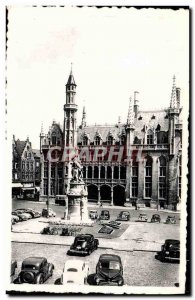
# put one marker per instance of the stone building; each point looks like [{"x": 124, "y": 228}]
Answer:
[
  {"x": 25, "y": 168},
  {"x": 123, "y": 164}
]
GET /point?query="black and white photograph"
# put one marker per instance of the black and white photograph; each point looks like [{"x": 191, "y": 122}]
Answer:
[{"x": 97, "y": 109}]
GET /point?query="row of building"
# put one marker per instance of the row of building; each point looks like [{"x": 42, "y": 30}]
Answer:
[{"x": 123, "y": 164}]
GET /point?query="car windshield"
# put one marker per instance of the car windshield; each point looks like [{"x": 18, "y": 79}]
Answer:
[
  {"x": 111, "y": 265},
  {"x": 31, "y": 267},
  {"x": 81, "y": 243},
  {"x": 72, "y": 270}
]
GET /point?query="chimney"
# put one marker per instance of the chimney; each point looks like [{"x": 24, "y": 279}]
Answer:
[
  {"x": 178, "y": 92},
  {"x": 136, "y": 103}
]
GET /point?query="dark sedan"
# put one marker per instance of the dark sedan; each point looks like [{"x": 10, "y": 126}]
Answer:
[
  {"x": 109, "y": 270},
  {"x": 84, "y": 244},
  {"x": 170, "y": 250}
]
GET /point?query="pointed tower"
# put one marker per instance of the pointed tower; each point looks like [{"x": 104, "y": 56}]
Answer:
[
  {"x": 174, "y": 145},
  {"x": 83, "y": 122},
  {"x": 130, "y": 123},
  {"x": 70, "y": 110},
  {"x": 136, "y": 103}
]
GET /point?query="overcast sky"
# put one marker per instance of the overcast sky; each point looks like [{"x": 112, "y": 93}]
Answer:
[{"x": 114, "y": 52}]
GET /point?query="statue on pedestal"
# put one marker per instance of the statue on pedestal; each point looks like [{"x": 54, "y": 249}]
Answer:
[{"x": 77, "y": 172}]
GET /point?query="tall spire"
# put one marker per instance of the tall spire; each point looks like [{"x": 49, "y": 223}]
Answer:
[
  {"x": 173, "y": 102},
  {"x": 71, "y": 80},
  {"x": 130, "y": 116},
  {"x": 83, "y": 122}
]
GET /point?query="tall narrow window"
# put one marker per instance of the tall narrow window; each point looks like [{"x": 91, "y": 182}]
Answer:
[
  {"x": 97, "y": 140},
  {"x": 162, "y": 178},
  {"x": 96, "y": 172},
  {"x": 148, "y": 177},
  {"x": 116, "y": 172},
  {"x": 109, "y": 172},
  {"x": 84, "y": 172},
  {"x": 52, "y": 187},
  {"x": 102, "y": 172},
  {"x": 180, "y": 175},
  {"x": 123, "y": 140},
  {"x": 85, "y": 141},
  {"x": 110, "y": 140},
  {"x": 53, "y": 171},
  {"x": 53, "y": 140},
  {"x": 89, "y": 172},
  {"x": 150, "y": 138},
  {"x": 45, "y": 170},
  {"x": 134, "y": 178}
]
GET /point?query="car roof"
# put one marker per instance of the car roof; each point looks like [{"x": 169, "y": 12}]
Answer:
[
  {"x": 91, "y": 210},
  {"x": 84, "y": 235},
  {"x": 124, "y": 211},
  {"x": 110, "y": 257},
  {"x": 74, "y": 263},
  {"x": 104, "y": 210},
  {"x": 172, "y": 241},
  {"x": 156, "y": 215},
  {"x": 34, "y": 260}
]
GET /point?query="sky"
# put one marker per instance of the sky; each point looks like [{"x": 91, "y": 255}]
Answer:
[{"x": 114, "y": 53}]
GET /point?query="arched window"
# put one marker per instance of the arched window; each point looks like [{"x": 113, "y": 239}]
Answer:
[
  {"x": 116, "y": 172},
  {"x": 53, "y": 140},
  {"x": 89, "y": 172},
  {"x": 110, "y": 140},
  {"x": 102, "y": 172},
  {"x": 109, "y": 172},
  {"x": 84, "y": 172},
  {"x": 97, "y": 140},
  {"x": 150, "y": 137},
  {"x": 96, "y": 172},
  {"x": 162, "y": 177},
  {"x": 122, "y": 172},
  {"x": 134, "y": 179},
  {"x": 148, "y": 177},
  {"x": 85, "y": 141}
]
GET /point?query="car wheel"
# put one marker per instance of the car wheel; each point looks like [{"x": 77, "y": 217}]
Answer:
[
  {"x": 121, "y": 283},
  {"x": 39, "y": 279},
  {"x": 89, "y": 251},
  {"x": 50, "y": 270}
]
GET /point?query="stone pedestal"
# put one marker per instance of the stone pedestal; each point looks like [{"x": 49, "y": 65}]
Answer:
[{"x": 77, "y": 202}]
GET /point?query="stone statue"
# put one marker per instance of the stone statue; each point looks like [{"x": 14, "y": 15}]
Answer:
[{"x": 77, "y": 173}]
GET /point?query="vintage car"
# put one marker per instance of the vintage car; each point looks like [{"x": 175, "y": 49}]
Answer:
[
  {"x": 83, "y": 244},
  {"x": 123, "y": 216},
  {"x": 170, "y": 220},
  {"x": 155, "y": 218},
  {"x": 170, "y": 250},
  {"x": 109, "y": 270},
  {"x": 142, "y": 218},
  {"x": 35, "y": 270},
  {"x": 93, "y": 214},
  {"x": 104, "y": 215},
  {"x": 33, "y": 213},
  {"x": 75, "y": 272},
  {"x": 22, "y": 216},
  {"x": 13, "y": 270},
  {"x": 48, "y": 213}
]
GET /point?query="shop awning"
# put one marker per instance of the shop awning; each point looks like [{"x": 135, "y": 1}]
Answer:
[
  {"x": 28, "y": 188},
  {"x": 17, "y": 185}
]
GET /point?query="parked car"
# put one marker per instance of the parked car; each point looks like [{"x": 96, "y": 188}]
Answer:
[
  {"x": 75, "y": 271},
  {"x": 170, "y": 220},
  {"x": 123, "y": 216},
  {"x": 48, "y": 213},
  {"x": 142, "y": 218},
  {"x": 109, "y": 270},
  {"x": 23, "y": 211},
  {"x": 22, "y": 216},
  {"x": 13, "y": 270},
  {"x": 170, "y": 250},
  {"x": 33, "y": 213},
  {"x": 155, "y": 218},
  {"x": 84, "y": 244},
  {"x": 104, "y": 215},
  {"x": 93, "y": 214},
  {"x": 35, "y": 270}
]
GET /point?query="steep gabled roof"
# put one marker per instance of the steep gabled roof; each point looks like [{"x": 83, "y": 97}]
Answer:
[{"x": 20, "y": 145}]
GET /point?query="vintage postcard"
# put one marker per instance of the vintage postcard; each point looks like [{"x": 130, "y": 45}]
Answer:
[{"x": 97, "y": 136}]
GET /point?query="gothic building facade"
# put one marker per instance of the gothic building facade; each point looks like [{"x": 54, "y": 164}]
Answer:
[{"x": 123, "y": 164}]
